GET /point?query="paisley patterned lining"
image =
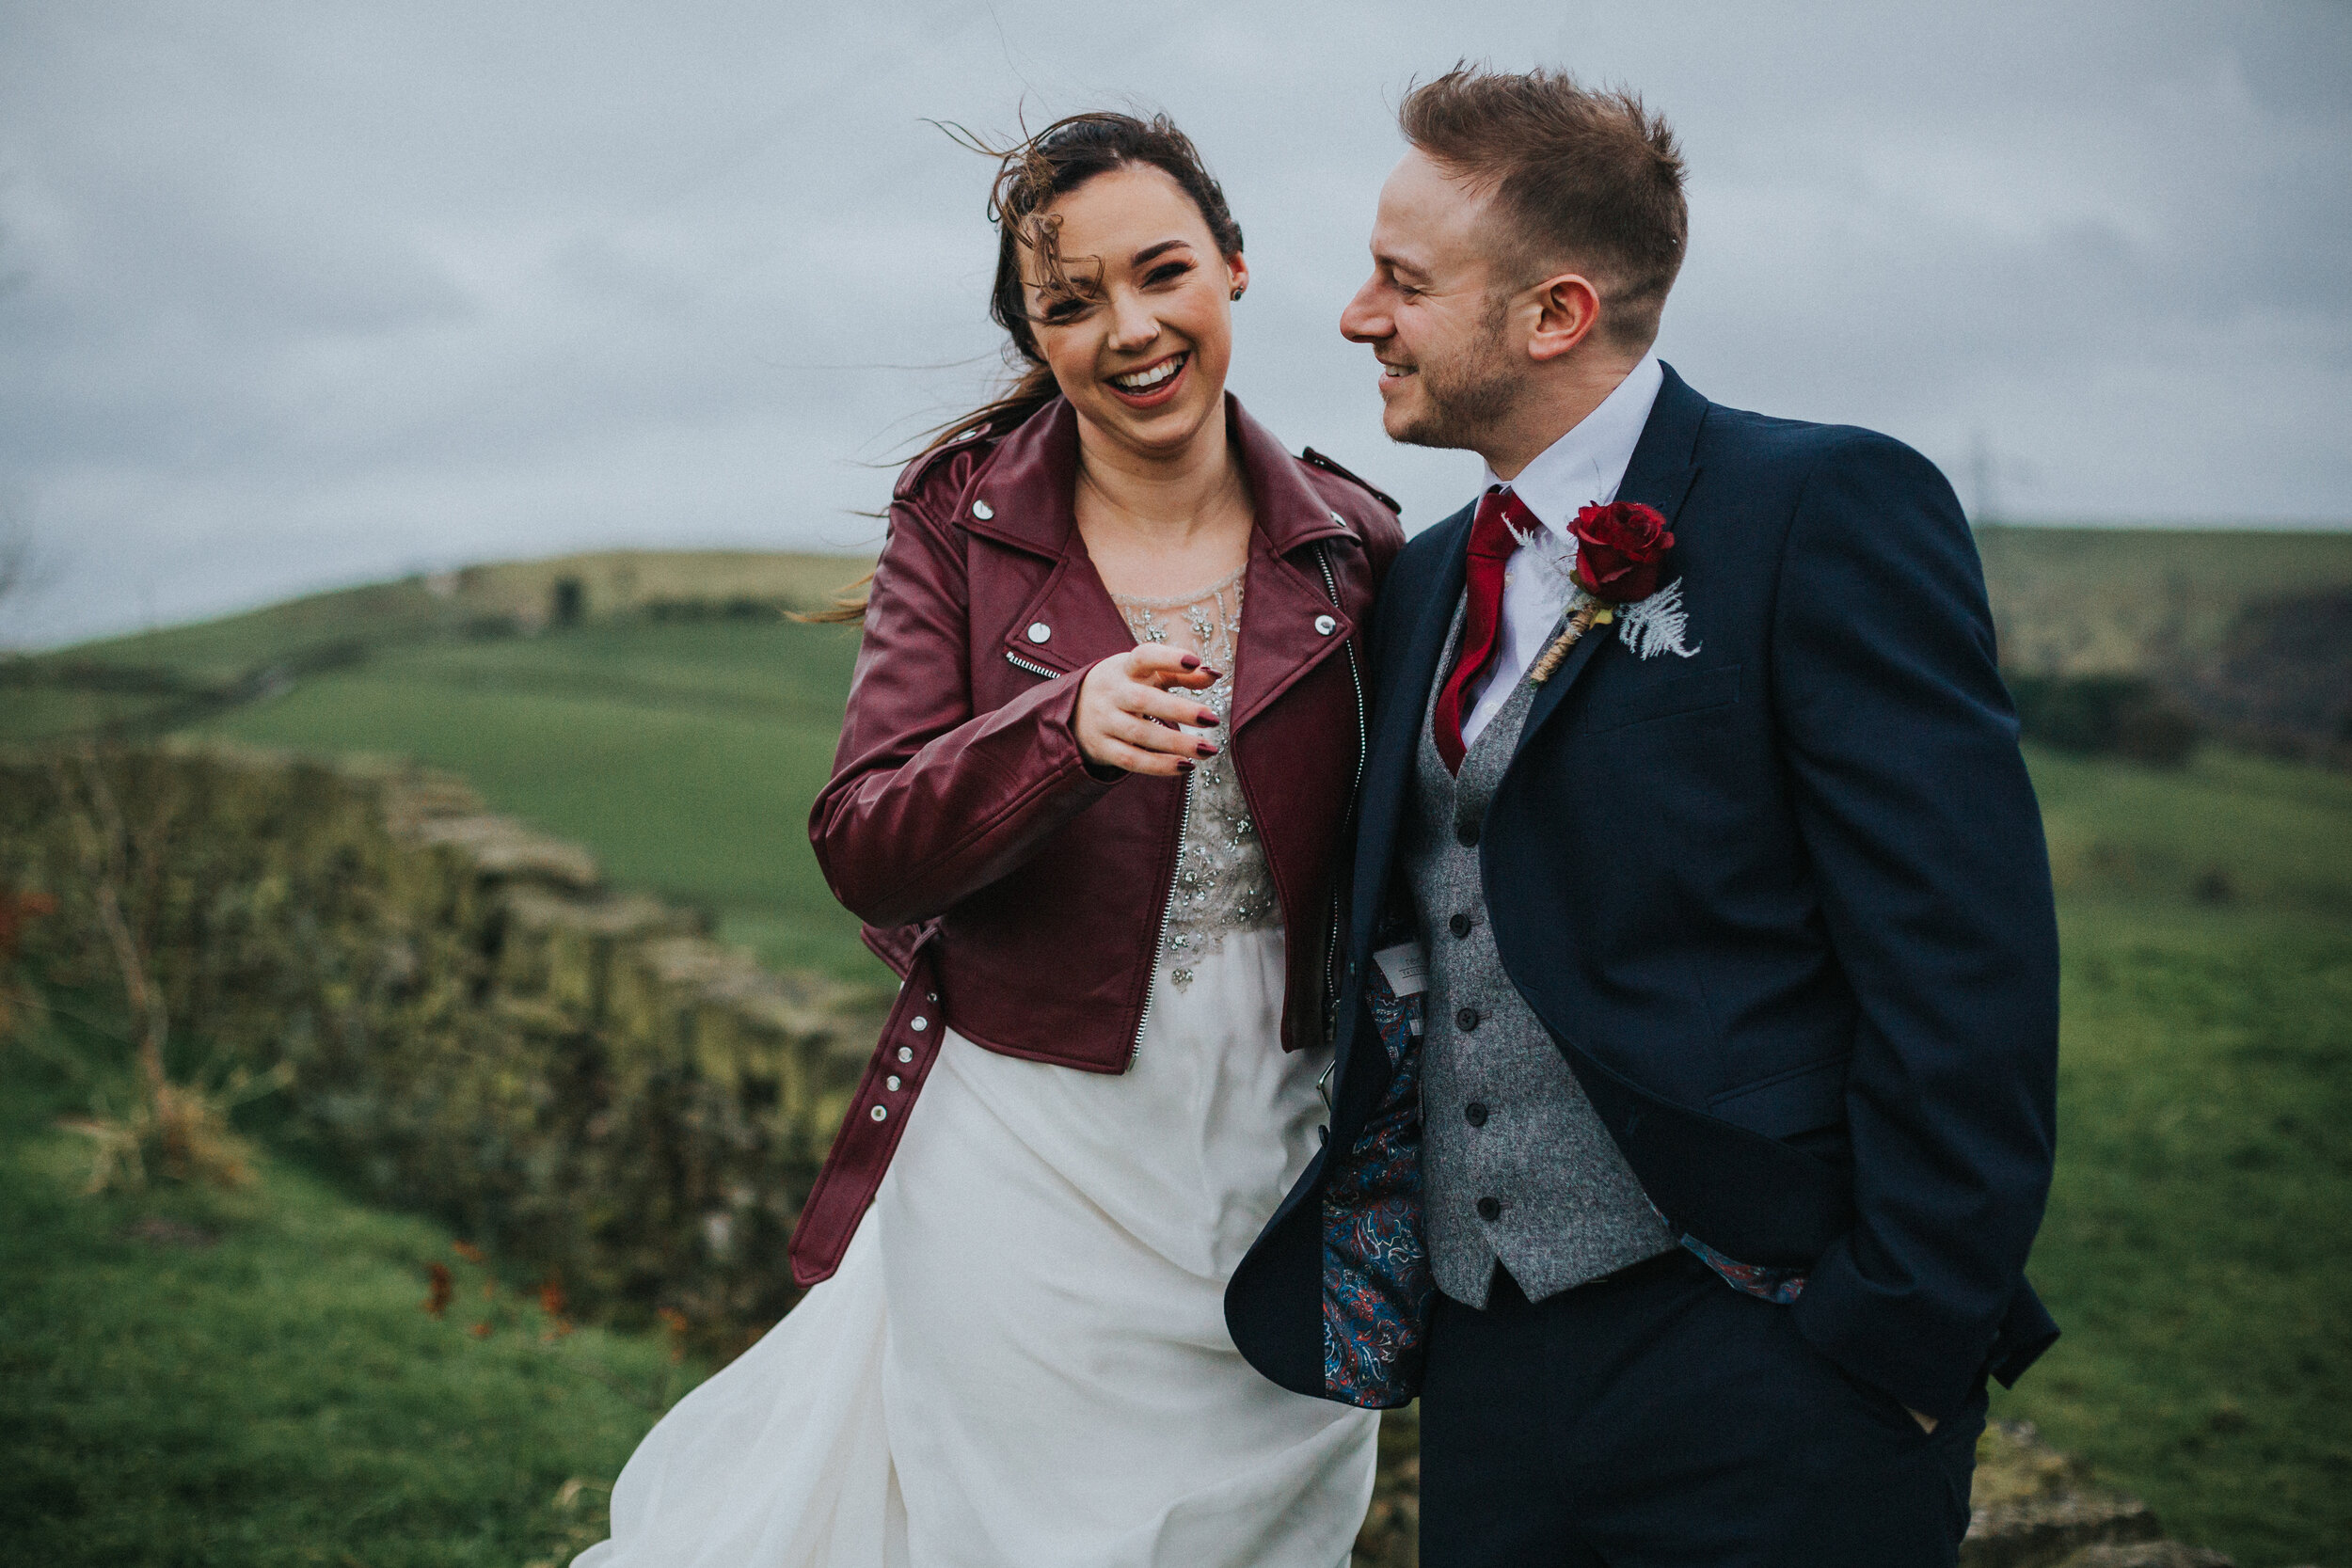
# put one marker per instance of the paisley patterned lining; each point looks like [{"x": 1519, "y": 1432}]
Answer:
[{"x": 1376, "y": 1285}]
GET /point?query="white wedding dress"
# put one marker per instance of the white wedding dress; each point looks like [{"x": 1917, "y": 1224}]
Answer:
[{"x": 1022, "y": 1360}]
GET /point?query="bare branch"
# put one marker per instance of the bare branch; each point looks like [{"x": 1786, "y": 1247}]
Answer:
[{"x": 25, "y": 569}]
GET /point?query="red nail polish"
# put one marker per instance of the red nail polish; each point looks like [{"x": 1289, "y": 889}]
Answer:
[
  {"x": 1184, "y": 768},
  {"x": 1206, "y": 750},
  {"x": 1212, "y": 674},
  {"x": 1191, "y": 661},
  {"x": 1206, "y": 719}
]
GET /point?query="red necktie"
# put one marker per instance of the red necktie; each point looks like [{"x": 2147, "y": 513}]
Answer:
[{"x": 1494, "y": 534}]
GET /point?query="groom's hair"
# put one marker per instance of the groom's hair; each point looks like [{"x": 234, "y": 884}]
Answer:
[{"x": 1575, "y": 176}]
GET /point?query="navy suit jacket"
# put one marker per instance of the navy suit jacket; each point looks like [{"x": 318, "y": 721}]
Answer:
[{"x": 1785, "y": 905}]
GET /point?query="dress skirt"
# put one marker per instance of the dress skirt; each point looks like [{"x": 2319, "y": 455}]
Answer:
[{"x": 1023, "y": 1361}]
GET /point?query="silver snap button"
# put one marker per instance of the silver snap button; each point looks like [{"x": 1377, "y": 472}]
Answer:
[
  {"x": 891, "y": 1083},
  {"x": 930, "y": 996},
  {"x": 1337, "y": 518},
  {"x": 984, "y": 511},
  {"x": 920, "y": 1024},
  {"x": 879, "y": 1113},
  {"x": 906, "y": 1052},
  {"x": 1326, "y": 625},
  {"x": 1039, "y": 631}
]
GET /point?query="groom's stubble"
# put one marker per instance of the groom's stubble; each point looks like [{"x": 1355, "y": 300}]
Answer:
[{"x": 1468, "y": 392}]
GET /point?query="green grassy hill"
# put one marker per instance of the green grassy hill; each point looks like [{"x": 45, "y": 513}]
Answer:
[
  {"x": 486, "y": 602},
  {"x": 2198, "y": 1248},
  {"x": 2199, "y": 1244},
  {"x": 679, "y": 728}
]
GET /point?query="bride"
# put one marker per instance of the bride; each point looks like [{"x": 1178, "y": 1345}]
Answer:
[{"x": 1089, "y": 800}]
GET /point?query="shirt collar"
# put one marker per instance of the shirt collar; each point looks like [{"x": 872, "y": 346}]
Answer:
[{"x": 1584, "y": 466}]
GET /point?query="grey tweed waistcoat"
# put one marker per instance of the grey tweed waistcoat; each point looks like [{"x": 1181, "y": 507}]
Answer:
[{"x": 1515, "y": 1166}]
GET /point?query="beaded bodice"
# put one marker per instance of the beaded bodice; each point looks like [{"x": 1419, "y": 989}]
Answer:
[{"x": 1222, "y": 880}]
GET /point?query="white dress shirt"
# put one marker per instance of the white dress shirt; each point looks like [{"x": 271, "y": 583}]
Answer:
[{"x": 1581, "y": 469}]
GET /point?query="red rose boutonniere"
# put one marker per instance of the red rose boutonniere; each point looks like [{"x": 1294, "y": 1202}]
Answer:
[
  {"x": 1623, "y": 573},
  {"x": 1620, "y": 550}
]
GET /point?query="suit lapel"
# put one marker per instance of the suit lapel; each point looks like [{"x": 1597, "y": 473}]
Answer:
[
  {"x": 1403, "y": 682},
  {"x": 1660, "y": 475}
]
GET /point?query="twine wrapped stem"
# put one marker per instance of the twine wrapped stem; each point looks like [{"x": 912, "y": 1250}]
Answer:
[{"x": 1579, "y": 624}]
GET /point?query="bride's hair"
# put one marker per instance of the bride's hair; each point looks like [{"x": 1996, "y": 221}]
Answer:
[{"x": 1031, "y": 175}]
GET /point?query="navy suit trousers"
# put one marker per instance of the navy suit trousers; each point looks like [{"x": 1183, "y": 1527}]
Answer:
[{"x": 1662, "y": 1417}]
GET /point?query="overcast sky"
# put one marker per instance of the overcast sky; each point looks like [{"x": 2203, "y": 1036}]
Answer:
[{"x": 303, "y": 293}]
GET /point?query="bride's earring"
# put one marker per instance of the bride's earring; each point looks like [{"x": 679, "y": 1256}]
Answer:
[{"x": 1236, "y": 294}]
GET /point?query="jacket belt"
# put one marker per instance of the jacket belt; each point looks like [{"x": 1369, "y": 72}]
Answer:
[{"x": 876, "y": 1120}]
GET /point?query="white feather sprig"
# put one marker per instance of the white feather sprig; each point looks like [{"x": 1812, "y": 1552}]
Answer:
[{"x": 1657, "y": 624}]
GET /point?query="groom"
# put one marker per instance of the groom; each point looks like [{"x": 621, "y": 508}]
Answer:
[{"x": 1701, "y": 933}]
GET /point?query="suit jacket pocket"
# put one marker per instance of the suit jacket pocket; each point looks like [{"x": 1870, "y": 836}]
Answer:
[
  {"x": 1677, "y": 694},
  {"x": 1787, "y": 1104}
]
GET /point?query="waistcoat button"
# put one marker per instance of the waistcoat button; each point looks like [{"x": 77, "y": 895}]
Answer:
[
  {"x": 1459, "y": 926},
  {"x": 1488, "y": 1209},
  {"x": 984, "y": 511},
  {"x": 1475, "y": 1114},
  {"x": 1467, "y": 833},
  {"x": 1039, "y": 631},
  {"x": 1466, "y": 1019}
]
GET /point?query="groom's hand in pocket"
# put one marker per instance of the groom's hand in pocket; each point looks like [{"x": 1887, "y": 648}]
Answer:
[{"x": 1133, "y": 708}]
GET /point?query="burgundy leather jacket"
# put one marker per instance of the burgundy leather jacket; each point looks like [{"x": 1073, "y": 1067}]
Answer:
[{"x": 1019, "y": 896}]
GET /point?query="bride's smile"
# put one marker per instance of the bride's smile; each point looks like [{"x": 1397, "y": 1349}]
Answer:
[{"x": 1132, "y": 306}]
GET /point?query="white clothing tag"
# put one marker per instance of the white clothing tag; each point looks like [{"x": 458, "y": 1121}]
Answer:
[{"x": 1407, "y": 967}]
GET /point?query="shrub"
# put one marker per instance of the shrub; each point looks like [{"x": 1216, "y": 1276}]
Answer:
[
  {"x": 2111, "y": 715},
  {"x": 470, "y": 1020}
]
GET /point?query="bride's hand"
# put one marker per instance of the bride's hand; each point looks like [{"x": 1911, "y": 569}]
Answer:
[{"x": 1129, "y": 703}]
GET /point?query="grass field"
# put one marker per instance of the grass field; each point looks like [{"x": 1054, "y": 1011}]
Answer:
[
  {"x": 2199, "y": 1248},
  {"x": 194, "y": 1379}
]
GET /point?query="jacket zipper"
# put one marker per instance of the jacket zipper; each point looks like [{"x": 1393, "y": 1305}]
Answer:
[
  {"x": 1363, "y": 746},
  {"x": 1031, "y": 665}
]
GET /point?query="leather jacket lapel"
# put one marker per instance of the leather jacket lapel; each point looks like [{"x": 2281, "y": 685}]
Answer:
[
  {"x": 1071, "y": 622},
  {"x": 1022, "y": 498},
  {"x": 1287, "y": 599}
]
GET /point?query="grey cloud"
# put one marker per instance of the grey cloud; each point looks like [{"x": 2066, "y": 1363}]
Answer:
[{"x": 310, "y": 293}]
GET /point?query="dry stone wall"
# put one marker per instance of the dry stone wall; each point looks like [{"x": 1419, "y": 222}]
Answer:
[{"x": 472, "y": 1020}]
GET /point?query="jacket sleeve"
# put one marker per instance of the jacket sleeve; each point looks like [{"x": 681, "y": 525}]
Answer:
[
  {"x": 1927, "y": 847},
  {"x": 929, "y": 800}
]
